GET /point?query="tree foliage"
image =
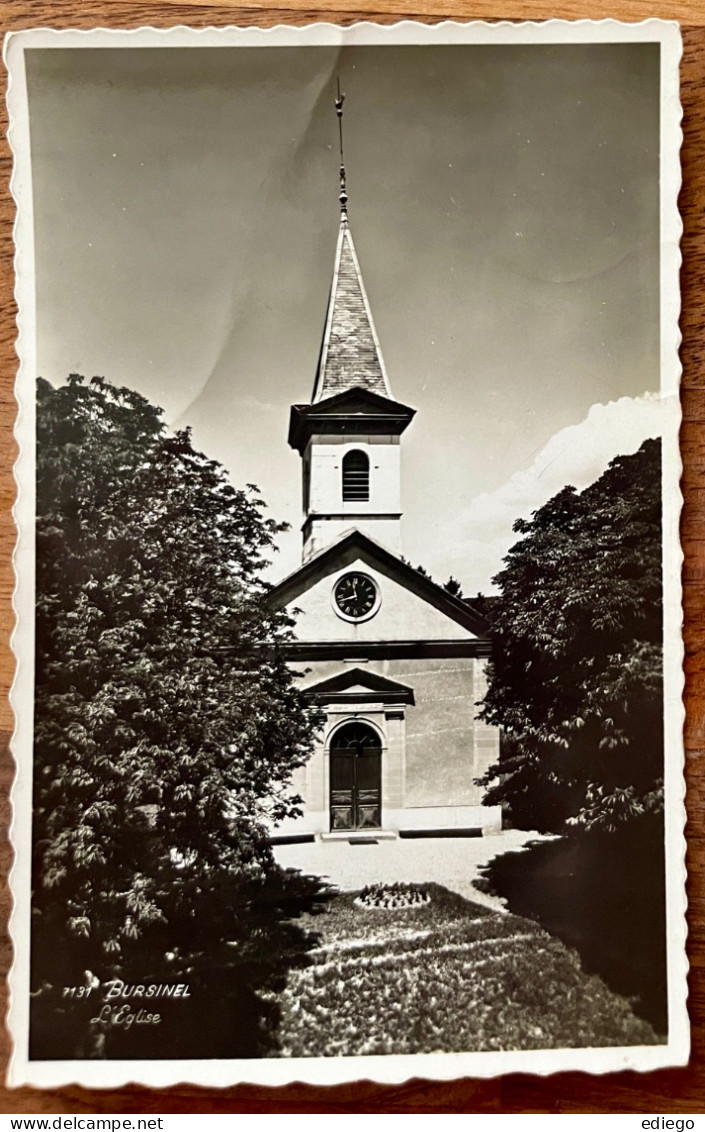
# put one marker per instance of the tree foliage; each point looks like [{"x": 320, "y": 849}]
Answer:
[
  {"x": 576, "y": 669},
  {"x": 453, "y": 587},
  {"x": 165, "y": 735}
]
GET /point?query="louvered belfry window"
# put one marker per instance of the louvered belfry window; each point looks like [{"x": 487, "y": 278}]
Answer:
[{"x": 356, "y": 477}]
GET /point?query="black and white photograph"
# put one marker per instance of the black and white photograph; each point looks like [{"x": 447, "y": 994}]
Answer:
[{"x": 349, "y": 721}]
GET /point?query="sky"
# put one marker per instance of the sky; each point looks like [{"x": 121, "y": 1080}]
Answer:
[{"x": 504, "y": 206}]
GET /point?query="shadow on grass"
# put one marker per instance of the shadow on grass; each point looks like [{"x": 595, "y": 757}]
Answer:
[
  {"x": 604, "y": 895},
  {"x": 231, "y": 980}
]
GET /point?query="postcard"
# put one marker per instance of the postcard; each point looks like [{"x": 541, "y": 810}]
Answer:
[{"x": 349, "y": 663}]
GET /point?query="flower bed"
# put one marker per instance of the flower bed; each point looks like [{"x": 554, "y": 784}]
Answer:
[
  {"x": 392, "y": 896},
  {"x": 444, "y": 975}
]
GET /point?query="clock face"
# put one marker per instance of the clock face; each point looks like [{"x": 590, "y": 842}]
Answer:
[{"x": 356, "y": 597}]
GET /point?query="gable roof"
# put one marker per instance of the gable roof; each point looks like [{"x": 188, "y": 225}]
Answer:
[
  {"x": 354, "y": 545},
  {"x": 350, "y": 353}
]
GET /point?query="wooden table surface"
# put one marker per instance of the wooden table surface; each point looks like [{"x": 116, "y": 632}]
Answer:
[{"x": 667, "y": 1091}]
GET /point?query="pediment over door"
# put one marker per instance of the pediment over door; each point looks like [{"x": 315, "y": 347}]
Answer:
[{"x": 355, "y": 685}]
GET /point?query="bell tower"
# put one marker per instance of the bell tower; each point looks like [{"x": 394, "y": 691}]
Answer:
[{"x": 349, "y": 435}]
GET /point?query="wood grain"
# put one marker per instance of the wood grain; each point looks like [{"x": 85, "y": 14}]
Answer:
[{"x": 668, "y": 1091}]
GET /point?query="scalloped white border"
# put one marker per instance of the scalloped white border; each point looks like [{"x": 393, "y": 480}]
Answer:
[{"x": 393, "y": 1068}]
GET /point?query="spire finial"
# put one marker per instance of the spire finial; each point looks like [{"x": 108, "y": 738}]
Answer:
[{"x": 343, "y": 191}]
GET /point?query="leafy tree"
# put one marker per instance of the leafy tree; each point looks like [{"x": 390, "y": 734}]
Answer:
[
  {"x": 453, "y": 586},
  {"x": 483, "y": 603},
  {"x": 165, "y": 734},
  {"x": 576, "y": 669}
]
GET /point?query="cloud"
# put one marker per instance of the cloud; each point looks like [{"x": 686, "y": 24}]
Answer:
[{"x": 576, "y": 455}]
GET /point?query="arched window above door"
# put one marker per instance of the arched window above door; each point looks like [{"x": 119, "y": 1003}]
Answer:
[
  {"x": 355, "y": 736},
  {"x": 356, "y": 477}
]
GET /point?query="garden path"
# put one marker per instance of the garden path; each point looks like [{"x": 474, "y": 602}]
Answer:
[{"x": 451, "y": 861}]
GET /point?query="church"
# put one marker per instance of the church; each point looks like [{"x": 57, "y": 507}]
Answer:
[{"x": 394, "y": 661}]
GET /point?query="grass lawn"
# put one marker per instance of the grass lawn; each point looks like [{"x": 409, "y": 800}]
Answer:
[{"x": 445, "y": 976}]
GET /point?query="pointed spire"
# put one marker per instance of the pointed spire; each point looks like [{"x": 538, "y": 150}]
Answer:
[{"x": 350, "y": 353}]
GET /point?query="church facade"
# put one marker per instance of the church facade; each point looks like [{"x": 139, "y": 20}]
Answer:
[{"x": 395, "y": 662}]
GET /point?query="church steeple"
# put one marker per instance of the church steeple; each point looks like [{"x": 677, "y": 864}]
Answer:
[
  {"x": 348, "y": 437},
  {"x": 350, "y": 354}
]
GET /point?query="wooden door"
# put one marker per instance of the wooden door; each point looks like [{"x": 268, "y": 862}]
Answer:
[{"x": 355, "y": 778}]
